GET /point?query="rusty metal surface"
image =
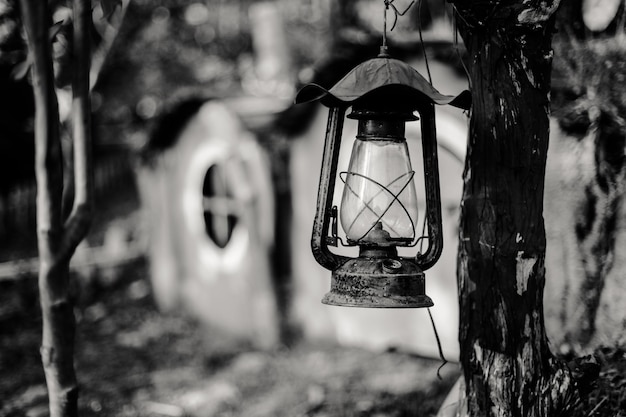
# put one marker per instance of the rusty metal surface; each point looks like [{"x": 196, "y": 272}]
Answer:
[
  {"x": 378, "y": 283},
  {"x": 319, "y": 244},
  {"x": 374, "y": 74},
  {"x": 431, "y": 183}
]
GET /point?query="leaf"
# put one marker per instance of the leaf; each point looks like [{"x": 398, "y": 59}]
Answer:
[
  {"x": 20, "y": 70},
  {"x": 55, "y": 29},
  {"x": 108, "y": 7}
]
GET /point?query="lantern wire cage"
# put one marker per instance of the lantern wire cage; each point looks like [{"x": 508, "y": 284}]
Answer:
[
  {"x": 413, "y": 241},
  {"x": 380, "y": 213}
]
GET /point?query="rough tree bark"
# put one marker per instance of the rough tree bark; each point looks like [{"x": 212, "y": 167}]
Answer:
[
  {"x": 508, "y": 367},
  {"x": 57, "y": 240}
]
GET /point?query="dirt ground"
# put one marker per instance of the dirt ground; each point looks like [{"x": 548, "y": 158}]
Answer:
[{"x": 134, "y": 361}]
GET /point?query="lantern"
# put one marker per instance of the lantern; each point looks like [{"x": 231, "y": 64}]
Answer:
[{"x": 378, "y": 211}]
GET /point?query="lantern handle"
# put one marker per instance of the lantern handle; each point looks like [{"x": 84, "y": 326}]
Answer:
[
  {"x": 431, "y": 184},
  {"x": 330, "y": 158}
]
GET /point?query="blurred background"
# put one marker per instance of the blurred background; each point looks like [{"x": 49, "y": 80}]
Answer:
[{"x": 196, "y": 292}]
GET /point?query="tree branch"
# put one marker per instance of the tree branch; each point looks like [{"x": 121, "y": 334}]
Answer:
[
  {"x": 78, "y": 223},
  {"x": 48, "y": 155},
  {"x": 57, "y": 346}
]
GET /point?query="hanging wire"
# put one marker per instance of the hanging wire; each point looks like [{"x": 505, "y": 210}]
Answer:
[
  {"x": 419, "y": 30},
  {"x": 455, "y": 34},
  {"x": 384, "y": 47},
  {"x": 432, "y": 321},
  {"x": 389, "y": 4},
  {"x": 441, "y": 356},
  {"x": 396, "y": 13}
]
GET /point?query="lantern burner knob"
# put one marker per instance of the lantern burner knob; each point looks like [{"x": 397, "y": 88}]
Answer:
[{"x": 378, "y": 236}]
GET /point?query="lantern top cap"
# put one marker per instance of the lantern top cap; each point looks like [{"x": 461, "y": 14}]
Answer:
[{"x": 375, "y": 74}]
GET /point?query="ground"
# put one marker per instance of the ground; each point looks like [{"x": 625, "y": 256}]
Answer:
[{"x": 133, "y": 360}]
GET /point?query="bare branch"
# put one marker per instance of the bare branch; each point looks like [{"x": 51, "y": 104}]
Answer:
[
  {"x": 108, "y": 28},
  {"x": 79, "y": 221},
  {"x": 48, "y": 156},
  {"x": 57, "y": 346}
]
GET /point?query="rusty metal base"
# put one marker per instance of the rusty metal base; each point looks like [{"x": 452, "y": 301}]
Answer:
[{"x": 378, "y": 283}]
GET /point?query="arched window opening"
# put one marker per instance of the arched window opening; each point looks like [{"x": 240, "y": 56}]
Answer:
[{"x": 220, "y": 206}]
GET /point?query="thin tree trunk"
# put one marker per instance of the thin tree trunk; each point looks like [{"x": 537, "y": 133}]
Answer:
[
  {"x": 508, "y": 367},
  {"x": 56, "y": 241}
]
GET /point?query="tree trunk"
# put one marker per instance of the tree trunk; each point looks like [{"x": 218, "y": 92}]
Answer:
[
  {"x": 57, "y": 241},
  {"x": 508, "y": 367}
]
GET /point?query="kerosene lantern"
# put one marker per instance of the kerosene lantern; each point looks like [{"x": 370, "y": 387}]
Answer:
[{"x": 379, "y": 208}]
